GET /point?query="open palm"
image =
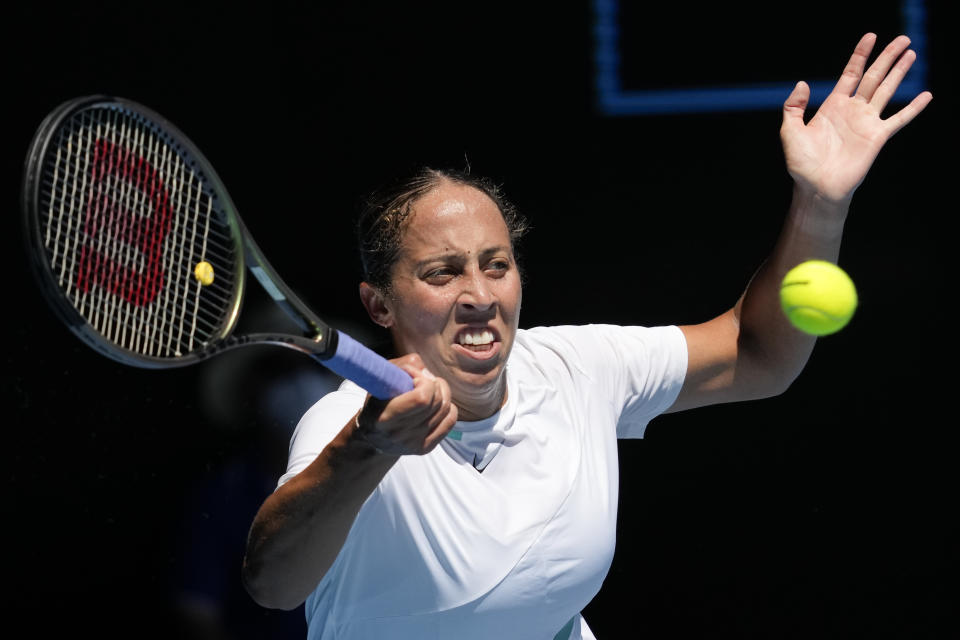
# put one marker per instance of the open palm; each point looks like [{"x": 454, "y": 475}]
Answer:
[{"x": 831, "y": 154}]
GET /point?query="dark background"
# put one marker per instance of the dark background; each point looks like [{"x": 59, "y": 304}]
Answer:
[{"x": 826, "y": 512}]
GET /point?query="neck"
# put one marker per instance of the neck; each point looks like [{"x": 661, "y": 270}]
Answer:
[{"x": 483, "y": 403}]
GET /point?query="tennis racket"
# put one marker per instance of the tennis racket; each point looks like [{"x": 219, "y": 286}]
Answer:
[{"x": 138, "y": 248}]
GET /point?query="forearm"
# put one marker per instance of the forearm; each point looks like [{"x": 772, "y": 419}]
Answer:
[
  {"x": 302, "y": 526},
  {"x": 767, "y": 342}
]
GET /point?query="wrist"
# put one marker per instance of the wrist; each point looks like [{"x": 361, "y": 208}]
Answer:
[
  {"x": 365, "y": 440},
  {"x": 361, "y": 435},
  {"x": 813, "y": 214},
  {"x": 352, "y": 445}
]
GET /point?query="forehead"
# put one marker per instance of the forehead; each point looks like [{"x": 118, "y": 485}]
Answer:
[{"x": 455, "y": 217}]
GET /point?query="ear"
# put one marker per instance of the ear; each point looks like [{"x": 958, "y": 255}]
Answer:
[{"x": 376, "y": 305}]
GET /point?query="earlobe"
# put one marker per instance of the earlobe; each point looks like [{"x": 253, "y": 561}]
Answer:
[{"x": 375, "y": 304}]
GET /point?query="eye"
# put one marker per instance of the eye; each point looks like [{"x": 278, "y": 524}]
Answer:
[
  {"x": 440, "y": 275},
  {"x": 497, "y": 267}
]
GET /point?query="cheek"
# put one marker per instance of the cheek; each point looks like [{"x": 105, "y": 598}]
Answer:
[
  {"x": 429, "y": 321},
  {"x": 511, "y": 295},
  {"x": 427, "y": 314}
]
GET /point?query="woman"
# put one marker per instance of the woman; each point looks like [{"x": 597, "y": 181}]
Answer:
[{"x": 483, "y": 502}]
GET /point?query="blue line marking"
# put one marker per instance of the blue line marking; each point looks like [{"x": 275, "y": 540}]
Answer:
[{"x": 613, "y": 100}]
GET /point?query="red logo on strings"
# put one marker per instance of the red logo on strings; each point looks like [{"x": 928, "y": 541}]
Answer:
[{"x": 128, "y": 208}]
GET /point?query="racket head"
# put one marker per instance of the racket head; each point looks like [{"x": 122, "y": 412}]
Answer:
[{"x": 120, "y": 211}]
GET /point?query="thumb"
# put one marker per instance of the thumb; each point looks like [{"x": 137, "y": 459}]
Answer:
[{"x": 796, "y": 104}]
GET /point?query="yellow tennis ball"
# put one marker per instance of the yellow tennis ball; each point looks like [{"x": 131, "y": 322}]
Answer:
[
  {"x": 204, "y": 272},
  {"x": 818, "y": 297}
]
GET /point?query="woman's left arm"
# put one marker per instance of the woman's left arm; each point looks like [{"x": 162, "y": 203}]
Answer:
[{"x": 752, "y": 351}]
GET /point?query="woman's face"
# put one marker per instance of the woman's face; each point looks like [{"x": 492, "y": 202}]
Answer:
[{"x": 456, "y": 294}]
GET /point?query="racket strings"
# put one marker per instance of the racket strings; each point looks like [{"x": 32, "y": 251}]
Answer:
[{"x": 125, "y": 219}]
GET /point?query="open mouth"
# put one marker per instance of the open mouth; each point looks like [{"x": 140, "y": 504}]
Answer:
[{"x": 477, "y": 339}]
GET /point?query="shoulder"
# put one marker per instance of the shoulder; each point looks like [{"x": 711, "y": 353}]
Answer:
[
  {"x": 328, "y": 414},
  {"x": 321, "y": 424},
  {"x": 581, "y": 345},
  {"x": 347, "y": 395},
  {"x": 639, "y": 370},
  {"x": 617, "y": 359}
]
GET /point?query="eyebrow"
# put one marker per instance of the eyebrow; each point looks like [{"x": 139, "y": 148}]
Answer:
[{"x": 460, "y": 255}]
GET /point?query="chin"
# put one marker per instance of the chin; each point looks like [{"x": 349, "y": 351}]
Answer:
[{"x": 479, "y": 378}]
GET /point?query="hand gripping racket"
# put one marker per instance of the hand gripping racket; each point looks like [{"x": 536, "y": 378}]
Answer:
[{"x": 139, "y": 250}]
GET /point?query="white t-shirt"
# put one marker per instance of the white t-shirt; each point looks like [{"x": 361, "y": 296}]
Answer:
[{"x": 443, "y": 550}]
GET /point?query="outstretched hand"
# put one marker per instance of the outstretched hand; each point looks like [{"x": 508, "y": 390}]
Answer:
[{"x": 830, "y": 155}]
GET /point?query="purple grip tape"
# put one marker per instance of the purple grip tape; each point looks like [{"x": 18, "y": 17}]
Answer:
[{"x": 368, "y": 369}]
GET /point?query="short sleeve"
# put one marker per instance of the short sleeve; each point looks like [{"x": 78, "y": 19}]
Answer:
[
  {"x": 320, "y": 425},
  {"x": 653, "y": 382},
  {"x": 639, "y": 370}
]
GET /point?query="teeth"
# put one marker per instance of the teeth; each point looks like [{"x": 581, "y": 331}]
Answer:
[{"x": 476, "y": 337}]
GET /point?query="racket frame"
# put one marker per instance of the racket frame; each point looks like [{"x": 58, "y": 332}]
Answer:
[{"x": 317, "y": 339}]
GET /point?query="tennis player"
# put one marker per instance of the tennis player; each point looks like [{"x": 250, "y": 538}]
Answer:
[{"x": 482, "y": 504}]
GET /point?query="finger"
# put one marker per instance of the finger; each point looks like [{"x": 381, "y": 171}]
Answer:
[
  {"x": 423, "y": 399},
  {"x": 795, "y": 105},
  {"x": 438, "y": 423},
  {"x": 850, "y": 78},
  {"x": 878, "y": 70},
  {"x": 413, "y": 405},
  {"x": 439, "y": 401},
  {"x": 436, "y": 390},
  {"x": 888, "y": 87},
  {"x": 445, "y": 394},
  {"x": 400, "y": 427},
  {"x": 903, "y": 117}
]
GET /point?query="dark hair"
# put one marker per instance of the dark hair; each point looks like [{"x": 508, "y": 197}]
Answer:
[{"x": 382, "y": 220}]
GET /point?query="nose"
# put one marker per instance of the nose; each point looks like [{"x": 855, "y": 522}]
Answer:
[{"x": 476, "y": 294}]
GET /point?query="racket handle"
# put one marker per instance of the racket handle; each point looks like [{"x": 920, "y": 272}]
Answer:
[{"x": 368, "y": 369}]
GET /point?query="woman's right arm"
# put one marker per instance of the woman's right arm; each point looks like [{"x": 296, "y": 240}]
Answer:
[{"x": 301, "y": 527}]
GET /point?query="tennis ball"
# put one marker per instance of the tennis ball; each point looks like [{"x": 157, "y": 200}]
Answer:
[
  {"x": 204, "y": 272},
  {"x": 818, "y": 297}
]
